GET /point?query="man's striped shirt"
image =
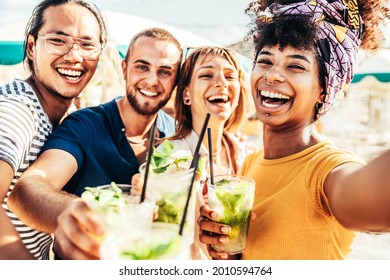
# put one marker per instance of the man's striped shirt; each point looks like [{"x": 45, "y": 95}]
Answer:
[{"x": 24, "y": 128}]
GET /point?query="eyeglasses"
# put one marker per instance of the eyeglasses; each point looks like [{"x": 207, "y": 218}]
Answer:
[{"x": 61, "y": 44}]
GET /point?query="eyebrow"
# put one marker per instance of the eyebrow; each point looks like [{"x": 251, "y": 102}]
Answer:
[
  {"x": 296, "y": 56},
  {"x": 206, "y": 67},
  {"x": 148, "y": 63},
  {"x": 211, "y": 67},
  {"x": 142, "y": 61}
]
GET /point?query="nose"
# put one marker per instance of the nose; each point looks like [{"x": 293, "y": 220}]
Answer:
[
  {"x": 152, "y": 78},
  {"x": 220, "y": 81},
  {"x": 274, "y": 74},
  {"x": 74, "y": 53}
]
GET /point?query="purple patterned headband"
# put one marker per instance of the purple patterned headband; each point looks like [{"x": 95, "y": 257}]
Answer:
[{"x": 339, "y": 28}]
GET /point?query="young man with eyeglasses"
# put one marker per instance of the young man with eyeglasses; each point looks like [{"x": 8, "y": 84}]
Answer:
[
  {"x": 99, "y": 145},
  {"x": 63, "y": 42}
]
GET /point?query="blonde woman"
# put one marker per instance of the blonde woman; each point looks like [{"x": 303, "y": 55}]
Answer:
[{"x": 211, "y": 82}]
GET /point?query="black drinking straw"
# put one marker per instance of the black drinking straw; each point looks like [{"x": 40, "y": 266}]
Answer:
[
  {"x": 149, "y": 158},
  {"x": 206, "y": 121},
  {"x": 210, "y": 156},
  {"x": 195, "y": 159}
]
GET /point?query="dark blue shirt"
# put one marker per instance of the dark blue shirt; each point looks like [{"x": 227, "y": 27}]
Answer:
[{"x": 95, "y": 136}]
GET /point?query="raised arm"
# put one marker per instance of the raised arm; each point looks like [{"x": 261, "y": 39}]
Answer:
[
  {"x": 359, "y": 197},
  {"x": 37, "y": 198},
  {"x": 11, "y": 246}
]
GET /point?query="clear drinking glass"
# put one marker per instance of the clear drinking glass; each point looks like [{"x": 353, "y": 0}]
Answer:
[
  {"x": 232, "y": 198},
  {"x": 163, "y": 242},
  {"x": 170, "y": 190},
  {"x": 120, "y": 208}
]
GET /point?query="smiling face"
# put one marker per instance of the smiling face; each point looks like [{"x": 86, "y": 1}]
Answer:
[
  {"x": 63, "y": 76},
  {"x": 214, "y": 88},
  {"x": 285, "y": 86},
  {"x": 150, "y": 73}
]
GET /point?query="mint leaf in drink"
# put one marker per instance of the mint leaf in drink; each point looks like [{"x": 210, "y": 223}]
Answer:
[
  {"x": 232, "y": 206},
  {"x": 234, "y": 212},
  {"x": 167, "y": 147},
  {"x": 201, "y": 166},
  {"x": 167, "y": 212},
  {"x": 107, "y": 202},
  {"x": 222, "y": 182},
  {"x": 108, "y": 197},
  {"x": 161, "y": 169},
  {"x": 165, "y": 158},
  {"x": 146, "y": 249},
  {"x": 159, "y": 159}
]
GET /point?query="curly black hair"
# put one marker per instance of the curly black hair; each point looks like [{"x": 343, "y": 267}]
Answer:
[
  {"x": 297, "y": 32},
  {"x": 300, "y": 32}
]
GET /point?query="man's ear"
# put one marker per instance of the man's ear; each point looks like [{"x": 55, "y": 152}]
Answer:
[
  {"x": 124, "y": 68},
  {"x": 30, "y": 46}
]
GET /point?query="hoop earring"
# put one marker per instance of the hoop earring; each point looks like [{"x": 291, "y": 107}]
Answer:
[{"x": 186, "y": 101}]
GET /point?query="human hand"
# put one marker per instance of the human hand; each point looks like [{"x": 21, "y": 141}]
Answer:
[
  {"x": 137, "y": 181},
  {"x": 212, "y": 232},
  {"x": 78, "y": 233}
]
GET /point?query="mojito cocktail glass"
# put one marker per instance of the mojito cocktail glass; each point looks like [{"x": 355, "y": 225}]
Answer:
[
  {"x": 232, "y": 198},
  {"x": 170, "y": 190},
  {"x": 119, "y": 207},
  {"x": 163, "y": 242}
]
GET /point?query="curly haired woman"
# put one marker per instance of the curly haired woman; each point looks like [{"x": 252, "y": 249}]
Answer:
[{"x": 311, "y": 196}]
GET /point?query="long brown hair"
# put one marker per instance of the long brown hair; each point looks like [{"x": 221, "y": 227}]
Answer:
[{"x": 183, "y": 114}]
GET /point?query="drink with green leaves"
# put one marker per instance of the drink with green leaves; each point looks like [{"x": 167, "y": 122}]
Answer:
[
  {"x": 169, "y": 179},
  {"x": 119, "y": 207},
  {"x": 232, "y": 198},
  {"x": 163, "y": 242}
]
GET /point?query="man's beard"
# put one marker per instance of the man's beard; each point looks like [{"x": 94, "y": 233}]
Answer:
[{"x": 146, "y": 109}]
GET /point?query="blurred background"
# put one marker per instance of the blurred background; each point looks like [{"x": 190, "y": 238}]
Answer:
[{"x": 359, "y": 120}]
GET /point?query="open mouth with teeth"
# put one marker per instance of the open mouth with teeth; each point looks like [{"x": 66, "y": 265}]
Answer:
[
  {"x": 218, "y": 99},
  {"x": 148, "y": 93},
  {"x": 271, "y": 99},
  {"x": 72, "y": 75}
]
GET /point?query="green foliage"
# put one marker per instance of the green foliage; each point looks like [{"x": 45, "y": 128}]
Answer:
[
  {"x": 151, "y": 249},
  {"x": 163, "y": 160},
  {"x": 107, "y": 198},
  {"x": 235, "y": 213},
  {"x": 167, "y": 212}
]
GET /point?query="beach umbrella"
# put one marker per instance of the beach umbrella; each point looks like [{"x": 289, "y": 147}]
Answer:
[
  {"x": 121, "y": 28},
  {"x": 375, "y": 65}
]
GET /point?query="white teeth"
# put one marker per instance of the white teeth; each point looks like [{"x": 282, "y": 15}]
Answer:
[
  {"x": 71, "y": 73},
  {"x": 225, "y": 98},
  {"x": 271, "y": 94},
  {"x": 269, "y": 105},
  {"x": 148, "y": 93}
]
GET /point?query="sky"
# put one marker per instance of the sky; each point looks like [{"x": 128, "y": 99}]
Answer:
[{"x": 220, "y": 21}]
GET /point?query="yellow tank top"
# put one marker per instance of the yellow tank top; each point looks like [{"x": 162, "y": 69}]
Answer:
[{"x": 293, "y": 216}]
